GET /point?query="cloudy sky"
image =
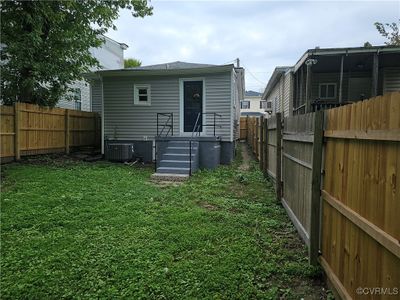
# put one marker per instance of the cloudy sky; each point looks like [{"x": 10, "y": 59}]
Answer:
[{"x": 263, "y": 34}]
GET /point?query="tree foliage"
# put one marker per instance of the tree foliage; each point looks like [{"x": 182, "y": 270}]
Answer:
[
  {"x": 367, "y": 44},
  {"x": 132, "y": 62},
  {"x": 46, "y": 44},
  {"x": 390, "y": 31}
]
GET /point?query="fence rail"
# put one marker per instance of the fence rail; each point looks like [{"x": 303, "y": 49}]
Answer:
[
  {"x": 28, "y": 129},
  {"x": 340, "y": 187}
]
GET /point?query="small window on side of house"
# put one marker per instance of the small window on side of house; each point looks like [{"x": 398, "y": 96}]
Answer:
[
  {"x": 142, "y": 94},
  {"x": 78, "y": 99},
  {"x": 327, "y": 91},
  {"x": 263, "y": 104},
  {"x": 244, "y": 104}
]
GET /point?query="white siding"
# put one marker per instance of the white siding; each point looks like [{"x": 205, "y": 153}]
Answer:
[
  {"x": 85, "y": 97},
  {"x": 110, "y": 56},
  {"x": 281, "y": 95},
  {"x": 287, "y": 94},
  {"x": 125, "y": 121}
]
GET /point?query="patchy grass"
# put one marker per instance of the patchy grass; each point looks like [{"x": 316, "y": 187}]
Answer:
[{"x": 102, "y": 230}]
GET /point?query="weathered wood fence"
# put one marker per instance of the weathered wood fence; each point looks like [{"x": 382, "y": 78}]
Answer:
[
  {"x": 340, "y": 185},
  {"x": 28, "y": 129}
]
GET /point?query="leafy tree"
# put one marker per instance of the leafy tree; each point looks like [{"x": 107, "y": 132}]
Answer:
[
  {"x": 46, "y": 44},
  {"x": 367, "y": 44},
  {"x": 390, "y": 31},
  {"x": 132, "y": 62}
]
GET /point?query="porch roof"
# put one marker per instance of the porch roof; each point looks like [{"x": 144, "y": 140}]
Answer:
[{"x": 354, "y": 56}]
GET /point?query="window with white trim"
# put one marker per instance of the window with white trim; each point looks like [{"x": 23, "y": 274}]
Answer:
[
  {"x": 142, "y": 94},
  {"x": 327, "y": 90}
]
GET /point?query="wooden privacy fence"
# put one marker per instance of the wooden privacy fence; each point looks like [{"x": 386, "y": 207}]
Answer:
[
  {"x": 28, "y": 129},
  {"x": 340, "y": 186},
  {"x": 361, "y": 195}
]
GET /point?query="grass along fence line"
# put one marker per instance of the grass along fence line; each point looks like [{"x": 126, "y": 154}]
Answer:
[
  {"x": 103, "y": 230},
  {"x": 352, "y": 189}
]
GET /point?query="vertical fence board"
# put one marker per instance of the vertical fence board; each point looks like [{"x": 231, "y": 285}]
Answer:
[
  {"x": 28, "y": 129},
  {"x": 361, "y": 207}
]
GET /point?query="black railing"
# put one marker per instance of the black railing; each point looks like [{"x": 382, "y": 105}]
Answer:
[
  {"x": 320, "y": 104},
  {"x": 169, "y": 123},
  {"x": 198, "y": 126}
]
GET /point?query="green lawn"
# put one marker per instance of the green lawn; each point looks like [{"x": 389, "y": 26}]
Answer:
[{"x": 102, "y": 230}]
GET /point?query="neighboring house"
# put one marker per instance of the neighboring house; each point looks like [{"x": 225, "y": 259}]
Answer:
[
  {"x": 131, "y": 100},
  {"x": 252, "y": 105},
  {"x": 325, "y": 78},
  {"x": 278, "y": 91},
  {"x": 110, "y": 56}
]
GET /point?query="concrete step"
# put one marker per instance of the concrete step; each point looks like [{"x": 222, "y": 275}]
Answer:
[
  {"x": 173, "y": 170},
  {"x": 178, "y": 156},
  {"x": 176, "y": 163},
  {"x": 182, "y": 144},
  {"x": 181, "y": 149}
]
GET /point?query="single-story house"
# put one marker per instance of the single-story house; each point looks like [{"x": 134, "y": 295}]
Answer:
[
  {"x": 171, "y": 103},
  {"x": 278, "y": 93},
  {"x": 326, "y": 78}
]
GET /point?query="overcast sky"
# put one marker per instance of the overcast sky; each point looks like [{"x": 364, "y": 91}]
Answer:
[{"x": 263, "y": 34}]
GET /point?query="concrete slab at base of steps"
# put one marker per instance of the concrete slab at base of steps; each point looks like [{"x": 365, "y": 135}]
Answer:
[{"x": 169, "y": 177}]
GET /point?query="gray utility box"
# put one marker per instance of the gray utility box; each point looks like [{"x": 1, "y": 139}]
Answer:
[{"x": 119, "y": 152}]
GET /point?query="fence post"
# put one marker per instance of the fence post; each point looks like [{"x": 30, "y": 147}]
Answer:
[
  {"x": 316, "y": 186},
  {"x": 67, "y": 131},
  {"x": 278, "y": 157},
  {"x": 262, "y": 143},
  {"x": 265, "y": 167},
  {"x": 17, "y": 131}
]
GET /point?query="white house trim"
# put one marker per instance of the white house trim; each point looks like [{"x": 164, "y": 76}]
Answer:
[{"x": 181, "y": 108}]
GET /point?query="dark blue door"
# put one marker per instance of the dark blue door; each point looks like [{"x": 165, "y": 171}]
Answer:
[{"x": 192, "y": 104}]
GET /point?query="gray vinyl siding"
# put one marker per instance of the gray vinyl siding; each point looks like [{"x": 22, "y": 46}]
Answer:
[
  {"x": 318, "y": 78},
  {"x": 391, "y": 81},
  {"x": 125, "y": 121},
  {"x": 218, "y": 99},
  {"x": 96, "y": 96}
]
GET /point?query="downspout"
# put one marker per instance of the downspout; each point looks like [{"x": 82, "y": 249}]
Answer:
[{"x": 102, "y": 115}]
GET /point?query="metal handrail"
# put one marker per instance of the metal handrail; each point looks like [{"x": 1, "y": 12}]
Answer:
[
  {"x": 166, "y": 124},
  {"x": 196, "y": 128}
]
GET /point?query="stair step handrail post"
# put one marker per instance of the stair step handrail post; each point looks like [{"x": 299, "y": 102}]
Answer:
[{"x": 190, "y": 157}]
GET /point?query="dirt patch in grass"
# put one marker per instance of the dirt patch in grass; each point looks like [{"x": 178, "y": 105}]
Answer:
[
  {"x": 208, "y": 206},
  {"x": 245, "y": 166}
]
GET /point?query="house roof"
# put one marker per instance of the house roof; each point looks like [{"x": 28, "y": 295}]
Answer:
[
  {"x": 172, "y": 68},
  {"x": 122, "y": 45},
  {"x": 278, "y": 72},
  {"x": 176, "y": 65},
  {"x": 346, "y": 51},
  {"x": 252, "y": 94}
]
